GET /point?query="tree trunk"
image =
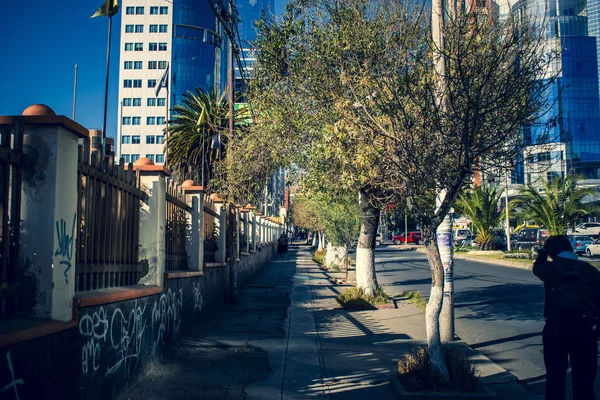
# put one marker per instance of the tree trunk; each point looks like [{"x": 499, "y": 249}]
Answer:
[
  {"x": 321, "y": 240},
  {"x": 365, "y": 249},
  {"x": 434, "y": 305},
  {"x": 314, "y": 241}
]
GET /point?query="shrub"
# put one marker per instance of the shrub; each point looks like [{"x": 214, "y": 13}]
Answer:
[
  {"x": 416, "y": 298},
  {"x": 319, "y": 256},
  {"x": 414, "y": 371},
  {"x": 460, "y": 249},
  {"x": 356, "y": 299},
  {"x": 520, "y": 256}
]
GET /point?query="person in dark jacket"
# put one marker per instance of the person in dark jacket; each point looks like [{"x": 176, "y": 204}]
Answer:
[
  {"x": 282, "y": 245},
  {"x": 568, "y": 335}
]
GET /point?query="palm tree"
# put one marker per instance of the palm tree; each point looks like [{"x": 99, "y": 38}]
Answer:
[
  {"x": 480, "y": 204},
  {"x": 557, "y": 206},
  {"x": 197, "y": 133}
]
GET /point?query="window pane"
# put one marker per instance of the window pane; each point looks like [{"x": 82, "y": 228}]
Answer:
[
  {"x": 136, "y": 120},
  {"x": 139, "y": 10},
  {"x": 162, "y": 64},
  {"x": 149, "y": 140},
  {"x": 160, "y": 158},
  {"x": 162, "y": 47},
  {"x": 125, "y": 139},
  {"x": 127, "y": 83},
  {"x": 139, "y": 29},
  {"x": 137, "y": 102},
  {"x": 150, "y": 121},
  {"x": 135, "y": 139},
  {"x": 160, "y": 139},
  {"x": 151, "y": 102},
  {"x": 161, "y": 102},
  {"x": 150, "y": 156},
  {"x": 152, "y": 46},
  {"x": 160, "y": 120},
  {"x": 163, "y": 28},
  {"x": 139, "y": 46},
  {"x": 153, "y": 10},
  {"x": 128, "y": 64},
  {"x": 126, "y": 120},
  {"x": 128, "y": 28},
  {"x": 137, "y": 65},
  {"x": 164, "y": 10},
  {"x": 126, "y": 102},
  {"x": 151, "y": 83},
  {"x": 128, "y": 46},
  {"x": 152, "y": 64},
  {"x": 126, "y": 158},
  {"x": 153, "y": 28},
  {"x": 137, "y": 83},
  {"x": 129, "y": 10},
  {"x": 135, "y": 157}
]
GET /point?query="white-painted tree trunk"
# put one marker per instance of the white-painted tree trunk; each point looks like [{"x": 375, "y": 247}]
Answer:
[
  {"x": 321, "y": 240},
  {"x": 314, "y": 240},
  {"x": 365, "y": 249},
  {"x": 434, "y": 305},
  {"x": 336, "y": 255}
]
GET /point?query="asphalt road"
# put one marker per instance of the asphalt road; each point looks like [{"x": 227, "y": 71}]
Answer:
[{"x": 498, "y": 310}]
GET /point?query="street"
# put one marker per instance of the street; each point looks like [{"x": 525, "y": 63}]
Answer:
[{"x": 498, "y": 310}]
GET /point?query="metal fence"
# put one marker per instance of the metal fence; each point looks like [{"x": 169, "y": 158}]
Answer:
[
  {"x": 11, "y": 174},
  {"x": 108, "y": 220},
  {"x": 176, "y": 232}
]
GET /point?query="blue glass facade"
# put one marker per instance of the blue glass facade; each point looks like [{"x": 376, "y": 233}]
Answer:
[
  {"x": 199, "y": 50},
  {"x": 250, "y": 11},
  {"x": 575, "y": 97}
]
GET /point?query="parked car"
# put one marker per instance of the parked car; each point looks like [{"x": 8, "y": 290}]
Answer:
[
  {"x": 468, "y": 241},
  {"x": 588, "y": 228},
  {"x": 530, "y": 238},
  {"x": 593, "y": 250},
  {"x": 580, "y": 243},
  {"x": 413, "y": 237},
  {"x": 379, "y": 240},
  {"x": 459, "y": 235}
]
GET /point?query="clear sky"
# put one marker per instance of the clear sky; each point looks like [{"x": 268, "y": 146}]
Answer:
[{"x": 41, "y": 41}]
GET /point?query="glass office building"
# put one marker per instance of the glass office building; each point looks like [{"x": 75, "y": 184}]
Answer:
[
  {"x": 572, "y": 143},
  {"x": 249, "y": 12},
  {"x": 199, "y": 52}
]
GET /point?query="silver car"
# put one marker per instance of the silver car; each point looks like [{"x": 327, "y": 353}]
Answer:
[
  {"x": 580, "y": 243},
  {"x": 588, "y": 228}
]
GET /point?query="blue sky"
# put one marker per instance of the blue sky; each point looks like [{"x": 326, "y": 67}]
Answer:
[{"x": 41, "y": 42}]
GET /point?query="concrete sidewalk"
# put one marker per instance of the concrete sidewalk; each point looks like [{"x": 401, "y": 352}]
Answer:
[{"x": 287, "y": 338}]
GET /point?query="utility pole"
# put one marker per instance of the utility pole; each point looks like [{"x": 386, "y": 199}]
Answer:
[{"x": 506, "y": 212}]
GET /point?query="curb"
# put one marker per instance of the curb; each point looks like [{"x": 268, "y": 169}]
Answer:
[
  {"x": 402, "y": 393},
  {"x": 503, "y": 263}
]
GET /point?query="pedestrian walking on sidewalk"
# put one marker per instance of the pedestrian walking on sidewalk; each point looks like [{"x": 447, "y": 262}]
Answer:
[
  {"x": 282, "y": 245},
  {"x": 572, "y": 296}
]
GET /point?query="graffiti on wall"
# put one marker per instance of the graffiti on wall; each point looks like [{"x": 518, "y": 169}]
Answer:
[
  {"x": 114, "y": 338},
  {"x": 65, "y": 244},
  {"x": 166, "y": 315},
  {"x": 13, "y": 386},
  {"x": 198, "y": 301}
]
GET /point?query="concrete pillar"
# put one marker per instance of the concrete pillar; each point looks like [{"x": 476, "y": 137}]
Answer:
[
  {"x": 49, "y": 222},
  {"x": 238, "y": 232},
  {"x": 221, "y": 254},
  {"x": 254, "y": 230},
  {"x": 195, "y": 246},
  {"x": 153, "y": 221},
  {"x": 246, "y": 215}
]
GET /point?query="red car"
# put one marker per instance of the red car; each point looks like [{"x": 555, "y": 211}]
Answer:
[{"x": 413, "y": 237}]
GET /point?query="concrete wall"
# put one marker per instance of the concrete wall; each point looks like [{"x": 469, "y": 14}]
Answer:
[{"x": 113, "y": 345}]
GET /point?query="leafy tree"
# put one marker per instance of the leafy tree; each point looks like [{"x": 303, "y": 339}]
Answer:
[
  {"x": 480, "y": 204},
  {"x": 557, "y": 206},
  {"x": 377, "y": 105}
]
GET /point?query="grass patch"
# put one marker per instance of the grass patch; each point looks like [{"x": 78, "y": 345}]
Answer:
[
  {"x": 356, "y": 299},
  {"x": 501, "y": 257},
  {"x": 414, "y": 371},
  {"x": 459, "y": 249},
  {"x": 336, "y": 268},
  {"x": 416, "y": 298},
  {"x": 319, "y": 256}
]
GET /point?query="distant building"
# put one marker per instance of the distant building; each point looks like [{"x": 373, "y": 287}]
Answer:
[
  {"x": 572, "y": 143},
  {"x": 184, "y": 33}
]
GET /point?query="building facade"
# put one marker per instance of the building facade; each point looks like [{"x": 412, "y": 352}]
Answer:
[
  {"x": 567, "y": 139},
  {"x": 183, "y": 34}
]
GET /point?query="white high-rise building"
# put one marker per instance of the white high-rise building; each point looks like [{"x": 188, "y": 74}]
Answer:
[{"x": 145, "y": 50}]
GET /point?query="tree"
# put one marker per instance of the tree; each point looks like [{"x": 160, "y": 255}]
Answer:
[
  {"x": 358, "y": 82},
  {"x": 557, "y": 206},
  {"x": 198, "y": 121},
  {"x": 480, "y": 204}
]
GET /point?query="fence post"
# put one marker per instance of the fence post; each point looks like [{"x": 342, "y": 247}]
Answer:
[
  {"x": 153, "y": 219},
  {"x": 195, "y": 244},
  {"x": 220, "y": 256},
  {"x": 247, "y": 230},
  {"x": 254, "y": 232},
  {"x": 49, "y": 211}
]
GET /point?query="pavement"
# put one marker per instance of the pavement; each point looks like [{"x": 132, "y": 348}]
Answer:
[{"x": 286, "y": 337}]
